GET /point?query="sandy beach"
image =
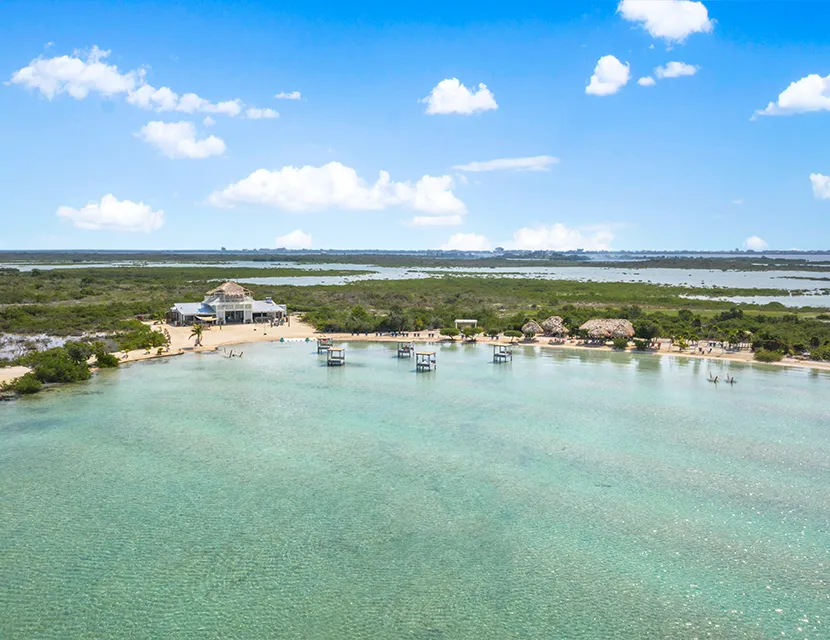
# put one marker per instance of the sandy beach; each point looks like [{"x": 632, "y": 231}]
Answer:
[{"x": 215, "y": 338}]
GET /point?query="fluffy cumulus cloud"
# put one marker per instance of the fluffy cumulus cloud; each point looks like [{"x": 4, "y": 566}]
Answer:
[
  {"x": 755, "y": 243},
  {"x": 76, "y": 75},
  {"x": 821, "y": 186},
  {"x": 675, "y": 70},
  {"x": 111, "y": 214},
  {"x": 560, "y": 237},
  {"x": 292, "y": 95},
  {"x": 335, "y": 186},
  {"x": 646, "y": 81},
  {"x": 178, "y": 140},
  {"x": 535, "y": 163},
  {"x": 165, "y": 99},
  {"x": 253, "y": 113},
  {"x": 297, "y": 239},
  {"x": 79, "y": 75},
  {"x": 802, "y": 96},
  {"x": 450, "y": 96},
  {"x": 672, "y": 20},
  {"x": 466, "y": 242},
  {"x": 610, "y": 75}
]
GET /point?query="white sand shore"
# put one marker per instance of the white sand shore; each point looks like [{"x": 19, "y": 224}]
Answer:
[
  {"x": 7, "y": 374},
  {"x": 215, "y": 338}
]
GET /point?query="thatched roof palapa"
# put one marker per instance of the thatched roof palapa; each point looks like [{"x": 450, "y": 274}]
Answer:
[
  {"x": 230, "y": 290},
  {"x": 532, "y": 327},
  {"x": 554, "y": 326},
  {"x": 610, "y": 328}
]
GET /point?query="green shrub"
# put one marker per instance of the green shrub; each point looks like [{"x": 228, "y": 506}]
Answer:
[
  {"x": 105, "y": 360},
  {"x": 56, "y": 365},
  {"x": 646, "y": 329},
  {"x": 640, "y": 344},
  {"x": 450, "y": 332},
  {"x": 765, "y": 355},
  {"x": 78, "y": 351},
  {"x": 512, "y": 333},
  {"x": 139, "y": 336},
  {"x": 26, "y": 384},
  {"x": 820, "y": 353},
  {"x": 620, "y": 344}
]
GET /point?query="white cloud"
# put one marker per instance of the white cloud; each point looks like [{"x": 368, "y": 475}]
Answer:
[
  {"x": 297, "y": 239},
  {"x": 293, "y": 95},
  {"x": 821, "y": 186},
  {"x": 148, "y": 97},
  {"x": 646, "y": 81},
  {"x": 466, "y": 242},
  {"x": 253, "y": 113},
  {"x": 76, "y": 76},
  {"x": 165, "y": 99},
  {"x": 178, "y": 140},
  {"x": 114, "y": 215},
  {"x": 811, "y": 93},
  {"x": 672, "y": 20},
  {"x": 559, "y": 237},
  {"x": 230, "y": 108},
  {"x": 675, "y": 70},
  {"x": 450, "y": 96},
  {"x": 335, "y": 186},
  {"x": 738, "y": 202},
  {"x": 755, "y": 243},
  {"x": 436, "y": 221},
  {"x": 208, "y": 121},
  {"x": 610, "y": 75},
  {"x": 79, "y": 76},
  {"x": 535, "y": 163}
]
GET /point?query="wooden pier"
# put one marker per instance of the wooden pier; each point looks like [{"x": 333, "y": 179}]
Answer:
[
  {"x": 335, "y": 357},
  {"x": 323, "y": 344},
  {"x": 425, "y": 361},
  {"x": 405, "y": 349},
  {"x": 502, "y": 353}
]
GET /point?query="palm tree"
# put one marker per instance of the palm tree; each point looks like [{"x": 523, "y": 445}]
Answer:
[
  {"x": 159, "y": 317},
  {"x": 197, "y": 333}
]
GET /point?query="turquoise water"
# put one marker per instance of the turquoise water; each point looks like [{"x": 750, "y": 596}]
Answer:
[{"x": 565, "y": 495}]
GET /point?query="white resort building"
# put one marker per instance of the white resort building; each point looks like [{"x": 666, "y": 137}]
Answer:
[{"x": 227, "y": 304}]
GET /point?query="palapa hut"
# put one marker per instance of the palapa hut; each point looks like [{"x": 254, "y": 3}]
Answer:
[
  {"x": 555, "y": 326},
  {"x": 606, "y": 329},
  {"x": 532, "y": 329}
]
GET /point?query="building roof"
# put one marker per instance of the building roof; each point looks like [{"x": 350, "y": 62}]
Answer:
[
  {"x": 610, "y": 328},
  {"x": 532, "y": 327},
  {"x": 554, "y": 324},
  {"x": 193, "y": 309},
  {"x": 265, "y": 306},
  {"x": 230, "y": 289}
]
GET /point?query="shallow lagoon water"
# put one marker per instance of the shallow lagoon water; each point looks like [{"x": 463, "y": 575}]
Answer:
[{"x": 570, "y": 494}]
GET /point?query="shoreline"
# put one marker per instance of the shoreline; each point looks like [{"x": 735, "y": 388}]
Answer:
[{"x": 235, "y": 335}]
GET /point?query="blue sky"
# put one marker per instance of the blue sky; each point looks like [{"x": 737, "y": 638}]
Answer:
[{"x": 679, "y": 164}]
